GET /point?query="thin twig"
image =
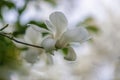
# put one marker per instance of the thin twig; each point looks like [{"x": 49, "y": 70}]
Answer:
[
  {"x": 12, "y": 38},
  {"x": 4, "y": 27}
]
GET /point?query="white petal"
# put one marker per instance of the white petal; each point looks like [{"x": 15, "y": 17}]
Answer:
[
  {"x": 32, "y": 36},
  {"x": 50, "y": 26},
  {"x": 48, "y": 43},
  {"x": 79, "y": 34},
  {"x": 59, "y": 20},
  {"x": 39, "y": 29},
  {"x": 31, "y": 56},
  {"x": 71, "y": 55}
]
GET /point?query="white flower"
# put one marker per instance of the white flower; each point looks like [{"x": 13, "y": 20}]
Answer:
[
  {"x": 32, "y": 55},
  {"x": 60, "y": 36},
  {"x": 32, "y": 36}
]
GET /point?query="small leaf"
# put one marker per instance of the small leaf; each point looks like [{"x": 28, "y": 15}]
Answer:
[
  {"x": 92, "y": 28},
  {"x": 44, "y": 34},
  {"x": 41, "y": 24},
  {"x": 53, "y": 2},
  {"x": 65, "y": 51},
  {"x": 9, "y": 4}
]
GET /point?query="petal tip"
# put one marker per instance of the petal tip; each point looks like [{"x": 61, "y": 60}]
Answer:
[
  {"x": 57, "y": 12},
  {"x": 69, "y": 59}
]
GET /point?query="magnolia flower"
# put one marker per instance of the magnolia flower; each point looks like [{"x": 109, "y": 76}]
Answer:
[
  {"x": 32, "y": 55},
  {"x": 32, "y": 36},
  {"x": 60, "y": 36}
]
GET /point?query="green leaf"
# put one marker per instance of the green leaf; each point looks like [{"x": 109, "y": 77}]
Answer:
[
  {"x": 40, "y": 24},
  {"x": 92, "y": 28},
  {"x": 65, "y": 51},
  {"x": 44, "y": 34},
  {"x": 9, "y": 4},
  {"x": 86, "y": 21},
  {"x": 53, "y": 2},
  {"x": 20, "y": 29}
]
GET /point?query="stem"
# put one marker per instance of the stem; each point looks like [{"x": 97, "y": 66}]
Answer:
[
  {"x": 15, "y": 40},
  {"x": 4, "y": 27}
]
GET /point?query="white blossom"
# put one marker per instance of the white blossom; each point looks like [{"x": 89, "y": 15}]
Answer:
[
  {"x": 60, "y": 36},
  {"x": 32, "y": 55}
]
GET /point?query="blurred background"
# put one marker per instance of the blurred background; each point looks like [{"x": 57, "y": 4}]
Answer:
[{"x": 97, "y": 59}]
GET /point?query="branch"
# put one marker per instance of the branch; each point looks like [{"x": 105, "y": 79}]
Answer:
[
  {"x": 4, "y": 27},
  {"x": 15, "y": 40}
]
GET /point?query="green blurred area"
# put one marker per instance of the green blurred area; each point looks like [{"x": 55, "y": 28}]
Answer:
[
  {"x": 90, "y": 25},
  {"x": 9, "y": 54}
]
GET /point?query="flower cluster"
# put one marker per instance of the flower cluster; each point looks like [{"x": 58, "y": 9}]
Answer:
[{"x": 58, "y": 36}]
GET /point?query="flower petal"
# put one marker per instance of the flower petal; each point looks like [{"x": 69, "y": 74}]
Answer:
[
  {"x": 31, "y": 56},
  {"x": 39, "y": 29},
  {"x": 59, "y": 20},
  {"x": 71, "y": 55},
  {"x": 32, "y": 36},
  {"x": 78, "y": 34},
  {"x": 51, "y": 27},
  {"x": 48, "y": 43}
]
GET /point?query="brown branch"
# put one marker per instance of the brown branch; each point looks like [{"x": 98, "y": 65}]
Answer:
[
  {"x": 15, "y": 40},
  {"x": 4, "y": 27}
]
